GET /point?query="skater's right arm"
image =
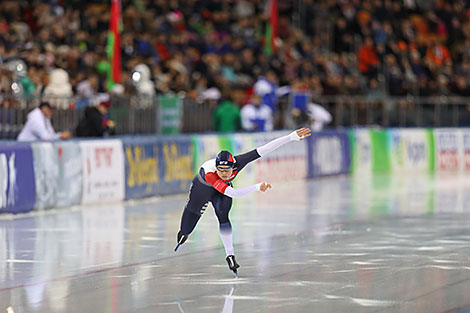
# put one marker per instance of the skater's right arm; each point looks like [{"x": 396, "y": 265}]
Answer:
[
  {"x": 231, "y": 192},
  {"x": 244, "y": 191}
]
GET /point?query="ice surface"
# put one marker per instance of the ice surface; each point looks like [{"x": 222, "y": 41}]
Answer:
[{"x": 339, "y": 244}]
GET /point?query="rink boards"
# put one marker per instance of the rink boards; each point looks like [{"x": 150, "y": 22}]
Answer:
[{"x": 44, "y": 175}]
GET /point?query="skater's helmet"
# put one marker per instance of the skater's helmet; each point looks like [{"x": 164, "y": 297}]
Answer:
[{"x": 224, "y": 158}]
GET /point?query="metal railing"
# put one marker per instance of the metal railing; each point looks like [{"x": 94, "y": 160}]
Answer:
[
  {"x": 352, "y": 111},
  {"x": 134, "y": 115},
  {"x": 387, "y": 111}
]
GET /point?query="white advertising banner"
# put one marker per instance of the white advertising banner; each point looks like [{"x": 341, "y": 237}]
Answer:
[
  {"x": 288, "y": 162},
  {"x": 362, "y": 158},
  {"x": 243, "y": 143},
  {"x": 448, "y": 149},
  {"x": 46, "y": 174},
  {"x": 103, "y": 171},
  {"x": 206, "y": 147},
  {"x": 452, "y": 150},
  {"x": 466, "y": 150},
  {"x": 409, "y": 150}
]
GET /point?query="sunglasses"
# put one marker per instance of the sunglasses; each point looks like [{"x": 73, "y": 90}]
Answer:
[{"x": 224, "y": 169}]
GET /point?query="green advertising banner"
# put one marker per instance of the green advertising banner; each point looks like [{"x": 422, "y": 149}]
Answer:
[
  {"x": 170, "y": 114},
  {"x": 380, "y": 151},
  {"x": 369, "y": 151}
]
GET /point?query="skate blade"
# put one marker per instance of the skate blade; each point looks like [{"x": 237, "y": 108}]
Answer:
[
  {"x": 235, "y": 272},
  {"x": 177, "y": 246}
]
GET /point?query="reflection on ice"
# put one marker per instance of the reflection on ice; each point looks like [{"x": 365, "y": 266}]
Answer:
[
  {"x": 329, "y": 245},
  {"x": 227, "y": 308}
]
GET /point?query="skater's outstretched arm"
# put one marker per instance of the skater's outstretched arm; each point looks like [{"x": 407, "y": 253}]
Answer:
[
  {"x": 244, "y": 191},
  {"x": 244, "y": 159},
  {"x": 296, "y": 135}
]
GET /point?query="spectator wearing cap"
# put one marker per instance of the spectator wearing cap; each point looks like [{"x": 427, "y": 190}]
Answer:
[
  {"x": 93, "y": 122},
  {"x": 38, "y": 125}
]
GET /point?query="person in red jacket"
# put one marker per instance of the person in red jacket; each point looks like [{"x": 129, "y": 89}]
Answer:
[{"x": 368, "y": 61}]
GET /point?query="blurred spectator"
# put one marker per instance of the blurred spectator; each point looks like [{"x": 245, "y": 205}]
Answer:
[
  {"x": 373, "y": 92},
  {"x": 226, "y": 118},
  {"x": 266, "y": 87},
  {"x": 88, "y": 87},
  {"x": 141, "y": 78},
  {"x": 342, "y": 37},
  {"x": 367, "y": 58},
  {"x": 38, "y": 125},
  {"x": 210, "y": 96},
  {"x": 87, "y": 90},
  {"x": 93, "y": 123},
  {"x": 437, "y": 53},
  {"x": 417, "y": 47},
  {"x": 58, "y": 91},
  {"x": 257, "y": 116},
  {"x": 394, "y": 76},
  {"x": 318, "y": 116}
]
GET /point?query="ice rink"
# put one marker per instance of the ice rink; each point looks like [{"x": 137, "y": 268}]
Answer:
[{"x": 338, "y": 244}]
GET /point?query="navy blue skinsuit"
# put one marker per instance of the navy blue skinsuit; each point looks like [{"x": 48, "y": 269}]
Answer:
[{"x": 203, "y": 190}]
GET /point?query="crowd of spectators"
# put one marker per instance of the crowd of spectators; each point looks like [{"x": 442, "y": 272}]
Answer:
[{"x": 326, "y": 47}]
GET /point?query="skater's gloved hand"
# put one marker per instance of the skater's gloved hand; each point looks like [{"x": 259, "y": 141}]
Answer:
[
  {"x": 300, "y": 134},
  {"x": 263, "y": 186}
]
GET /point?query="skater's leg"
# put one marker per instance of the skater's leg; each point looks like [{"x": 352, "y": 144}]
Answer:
[
  {"x": 199, "y": 196},
  {"x": 226, "y": 236},
  {"x": 188, "y": 222},
  {"x": 222, "y": 205}
]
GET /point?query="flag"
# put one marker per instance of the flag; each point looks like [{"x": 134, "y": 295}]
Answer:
[
  {"x": 114, "y": 44},
  {"x": 271, "y": 28}
]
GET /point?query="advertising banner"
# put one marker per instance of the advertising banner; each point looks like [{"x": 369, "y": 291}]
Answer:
[
  {"x": 141, "y": 167},
  {"x": 380, "y": 151},
  {"x": 466, "y": 150},
  {"x": 17, "y": 186},
  {"x": 369, "y": 151},
  {"x": 170, "y": 113},
  {"x": 243, "y": 143},
  {"x": 157, "y": 166},
  {"x": 448, "y": 150},
  {"x": 58, "y": 174},
  {"x": 103, "y": 171},
  {"x": 70, "y": 173},
  {"x": 45, "y": 174},
  {"x": 176, "y": 167},
  {"x": 329, "y": 153},
  {"x": 410, "y": 150},
  {"x": 288, "y": 162},
  {"x": 361, "y": 151},
  {"x": 452, "y": 150},
  {"x": 205, "y": 147}
]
